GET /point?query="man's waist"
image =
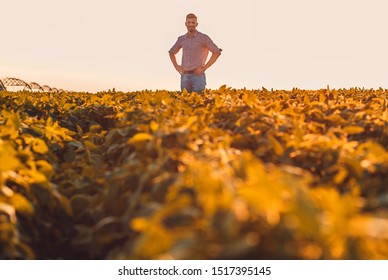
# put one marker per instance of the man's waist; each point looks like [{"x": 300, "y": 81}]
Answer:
[{"x": 189, "y": 71}]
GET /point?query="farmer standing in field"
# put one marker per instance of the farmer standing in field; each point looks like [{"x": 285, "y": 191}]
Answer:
[{"x": 195, "y": 46}]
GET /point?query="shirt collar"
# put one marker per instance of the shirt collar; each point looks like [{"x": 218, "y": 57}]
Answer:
[{"x": 195, "y": 34}]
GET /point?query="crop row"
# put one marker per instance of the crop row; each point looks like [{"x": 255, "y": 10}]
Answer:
[{"x": 237, "y": 174}]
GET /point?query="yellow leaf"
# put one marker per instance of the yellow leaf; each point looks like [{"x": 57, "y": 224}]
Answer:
[
  {"x": 303, "y": 216},
  {"x": 9, "y": 210},
  {"x": 377, "y": 150},
  {"x": 369, "y": 226},
  {"x": 263, "y": 190},
  {"x": 46, "y": 168},
  {"x": 278, "y": 148},
  {"x": 354, "y": 129},
  {"x": 65, "y": 203},
  {"x": 139, "y": 224},
  {"x": 33, "y": 175},
  {"x": 222, "y": 88},
  {"x": 39, "y": 146},
  {"x": 385, "y": 115},
  {"x": 336, "y": 119},
  {"x": 54, "y": 131},
  {"x": 306, "y": 99},
  {"x": 184, "y": 92},
  {"x": 322, "y": 98},
  {"x": 140, "y": 137},
  {"x": 95, "y": 128},
  {"x": 155, "y": 241},
  {"x": 8, "y": 160},
  {"x": 340, "y": 176},
  {"x": 21, "y": 204},
  {"x": 12, "y": 124},
  {"x": 90, "y": 145},
  {"x": 354, "y": 166},
  {"x": 218, "y": 102},
  {"x": 4, "y": 190},
  {"x": 79, "y": 130},
  {"x": 154, "y": 126}
]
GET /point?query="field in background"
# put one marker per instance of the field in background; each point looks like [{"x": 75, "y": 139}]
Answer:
[{"x": 228, "y": 174}]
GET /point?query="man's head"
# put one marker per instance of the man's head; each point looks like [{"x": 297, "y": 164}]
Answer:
[{"x": 191, "y": 22}]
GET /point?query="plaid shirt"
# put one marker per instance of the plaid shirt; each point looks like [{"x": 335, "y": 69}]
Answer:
[{"x": 195, "y": 50}]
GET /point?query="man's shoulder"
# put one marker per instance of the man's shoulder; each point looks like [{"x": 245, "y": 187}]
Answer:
[
  {"x": 182, "y": 37},
  {"x": 202, "y": 36}
]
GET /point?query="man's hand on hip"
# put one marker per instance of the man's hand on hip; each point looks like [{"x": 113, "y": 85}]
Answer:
[
  {"x": 179, "y": 68},
  {"x": 199, "y": 71}
]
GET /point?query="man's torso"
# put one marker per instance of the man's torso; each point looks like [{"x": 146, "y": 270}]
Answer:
[{"x": 195, "y": 49}]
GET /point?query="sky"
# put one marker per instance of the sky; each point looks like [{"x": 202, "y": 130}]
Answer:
[{"x": 96, "y": 45}]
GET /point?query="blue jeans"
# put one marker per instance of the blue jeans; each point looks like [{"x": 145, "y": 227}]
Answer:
[{"x": 192, "y": 82}]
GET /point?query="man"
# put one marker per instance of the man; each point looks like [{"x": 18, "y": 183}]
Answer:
[{"x": 195, "y": 46}]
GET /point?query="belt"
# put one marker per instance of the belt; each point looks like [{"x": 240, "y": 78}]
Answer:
[{"x": 188, "y": 72}]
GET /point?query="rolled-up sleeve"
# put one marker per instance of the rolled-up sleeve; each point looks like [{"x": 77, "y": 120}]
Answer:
[
  {"x": 211, "y": 46},
  {"x": 177, "y": 46}
]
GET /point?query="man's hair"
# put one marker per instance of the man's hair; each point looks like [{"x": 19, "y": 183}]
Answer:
[{"x": 191, "y": 16}]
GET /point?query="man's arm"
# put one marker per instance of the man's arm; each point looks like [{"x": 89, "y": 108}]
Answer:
[
  {"x": 178, "y": 67},
  {"x": 213, "y": 58}
]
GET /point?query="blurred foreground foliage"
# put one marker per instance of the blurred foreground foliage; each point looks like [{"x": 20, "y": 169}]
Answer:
[{"x": 228, "y": 174}]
